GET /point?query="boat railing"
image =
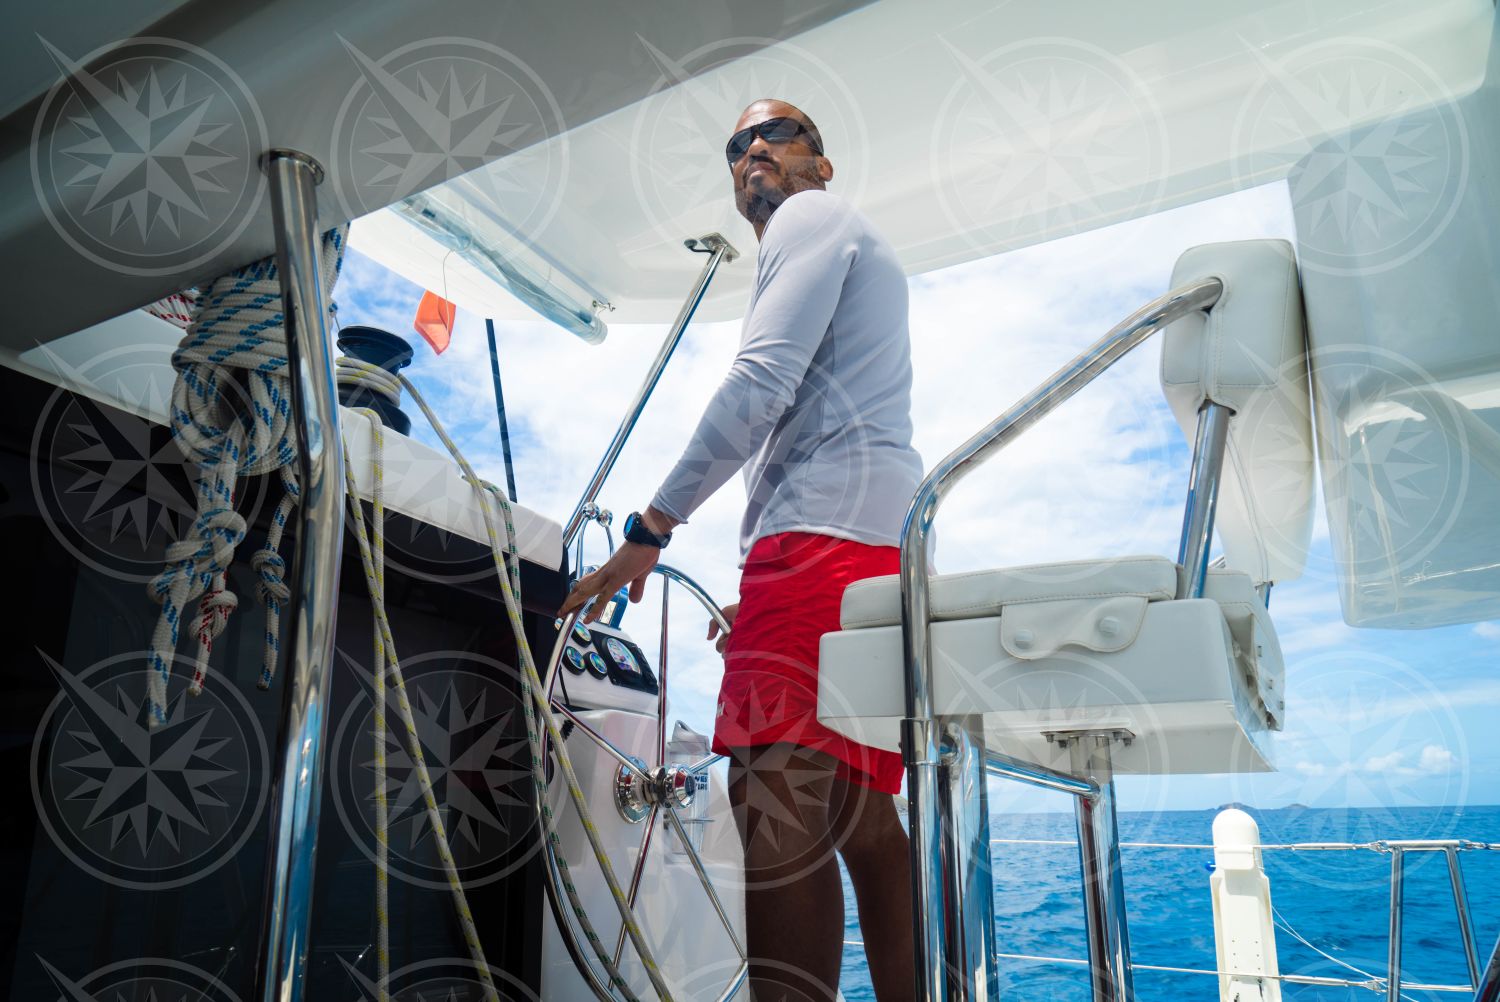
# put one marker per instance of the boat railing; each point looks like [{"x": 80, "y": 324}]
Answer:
[{"x": 1392, "y": 984}]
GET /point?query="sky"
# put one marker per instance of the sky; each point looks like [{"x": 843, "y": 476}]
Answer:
[{"x": 1374, "y": 718}]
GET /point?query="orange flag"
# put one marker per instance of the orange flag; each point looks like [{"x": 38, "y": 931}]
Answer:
[{"x": 434, "y": 320}]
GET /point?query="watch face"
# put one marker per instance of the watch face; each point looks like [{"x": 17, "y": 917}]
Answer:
[{"x": 622, "y": 655}]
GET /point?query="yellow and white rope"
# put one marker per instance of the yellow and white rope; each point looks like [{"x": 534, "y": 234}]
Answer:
[
  {"x": 534, "y": 698},
  {"x": 382, "y": 804},
  {"x": 387, "y": 660}
]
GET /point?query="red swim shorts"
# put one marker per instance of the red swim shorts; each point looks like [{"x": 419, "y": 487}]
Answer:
[{"x": 790, "y": 592}]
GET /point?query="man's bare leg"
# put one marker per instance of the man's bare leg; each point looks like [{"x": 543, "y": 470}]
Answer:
[
  {"x": 794, "y": 900},
  {"x": 868, "y": 833}
]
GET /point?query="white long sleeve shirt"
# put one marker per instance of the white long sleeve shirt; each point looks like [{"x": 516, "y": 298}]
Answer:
[{"x": 817, "y": 405}]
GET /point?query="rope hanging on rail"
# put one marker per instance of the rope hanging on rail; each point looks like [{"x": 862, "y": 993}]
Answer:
[
  {"x": 230, "y": 413},
  {"x": 507, "y": 560},
  {"x": 540, "y": 721}
]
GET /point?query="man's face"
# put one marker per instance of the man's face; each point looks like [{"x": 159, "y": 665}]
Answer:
[{"x": 769, "y": 173}]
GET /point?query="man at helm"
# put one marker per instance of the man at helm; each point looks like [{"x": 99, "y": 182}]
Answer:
[{"x": 816, "y": 410}]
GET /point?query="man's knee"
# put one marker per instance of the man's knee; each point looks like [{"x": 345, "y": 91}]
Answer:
[{"x": 866, "y": 824}]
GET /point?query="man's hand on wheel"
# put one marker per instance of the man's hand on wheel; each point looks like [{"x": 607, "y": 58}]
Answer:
[
  {"x": 729, "y": 611},
  {"x": 631, "y": 564}
]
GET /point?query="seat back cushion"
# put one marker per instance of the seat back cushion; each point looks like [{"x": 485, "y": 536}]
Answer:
[{"x": 1249, "y": 353}]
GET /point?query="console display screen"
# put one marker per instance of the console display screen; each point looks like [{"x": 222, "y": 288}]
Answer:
[{"x": 621, "y": 656}]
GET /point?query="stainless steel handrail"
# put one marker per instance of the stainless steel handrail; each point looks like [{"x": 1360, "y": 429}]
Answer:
[
  {"x": 320, "y": 536},
  {"x": 1393, "y": 944},
  {"x": 921, "y": 734},
  {"x": 1203, "y": 497},
  {"x": 1450, "y": 848},
  {"x": 1041, "y": 777},
  {"x": 720, "y": 251},
  {"x": 1465, "y": 921}
]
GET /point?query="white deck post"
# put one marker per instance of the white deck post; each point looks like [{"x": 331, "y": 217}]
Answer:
[{"x": 1244, "y": 933}]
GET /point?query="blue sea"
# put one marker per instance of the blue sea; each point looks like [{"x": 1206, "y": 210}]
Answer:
[{"x": 1338, "y": 902}]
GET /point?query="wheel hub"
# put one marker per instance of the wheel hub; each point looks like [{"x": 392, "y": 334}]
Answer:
[{"x": 666, "y": 785}]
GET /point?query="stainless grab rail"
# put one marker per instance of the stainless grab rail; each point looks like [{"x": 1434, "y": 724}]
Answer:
[
  {"x": 320, "y": 538},
  {"x": 720, "y": 251},
  {"x": 937, "y": 898},
  {"x": 1398, "y": 848}
]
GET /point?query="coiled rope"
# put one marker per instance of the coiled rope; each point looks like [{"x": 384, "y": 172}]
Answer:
[
  {"x": 534, "y": 700},
  {"x": 230, "y": 414}
]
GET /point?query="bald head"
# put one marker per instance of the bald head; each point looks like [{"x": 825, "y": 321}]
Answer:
[{"x": 771, "y": 171}]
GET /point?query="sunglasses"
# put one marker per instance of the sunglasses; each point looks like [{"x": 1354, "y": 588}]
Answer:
[{"x": 772, "y": 130}]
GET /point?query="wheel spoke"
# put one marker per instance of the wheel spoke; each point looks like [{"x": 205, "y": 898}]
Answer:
[
  {"x": 661, "y": 677},
  {"x": 704, "y": 762},
  {"x": 603, "y": 742},
  {"x": 635, "y": 876},
  {"x": 703, "y": 878}
]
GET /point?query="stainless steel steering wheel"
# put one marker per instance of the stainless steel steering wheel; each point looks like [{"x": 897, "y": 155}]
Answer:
[{"x": 645, "y": 793}]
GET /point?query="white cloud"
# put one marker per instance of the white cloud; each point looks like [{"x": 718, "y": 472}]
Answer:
[
  {"x": 1436, "y": 759},
  {"x": 1487, "y": 631},
  {"x": 1432, "y": 760},
  {"x": 1385, "y": 763}
]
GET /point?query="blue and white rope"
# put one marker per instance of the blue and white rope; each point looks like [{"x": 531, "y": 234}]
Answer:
[{"x": 231, "y": 417}]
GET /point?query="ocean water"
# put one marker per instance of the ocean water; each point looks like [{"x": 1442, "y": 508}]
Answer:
[{"x": 1338, "y": 902}]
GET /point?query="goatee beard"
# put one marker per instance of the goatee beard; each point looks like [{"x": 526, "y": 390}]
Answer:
[{"x": 757, "y": 206}]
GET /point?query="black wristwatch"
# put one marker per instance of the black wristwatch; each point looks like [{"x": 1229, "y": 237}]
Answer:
[{"x": 636, "y": 532}]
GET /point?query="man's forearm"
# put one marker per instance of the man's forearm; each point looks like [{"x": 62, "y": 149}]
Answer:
[{"x": 658, "y": 521}]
